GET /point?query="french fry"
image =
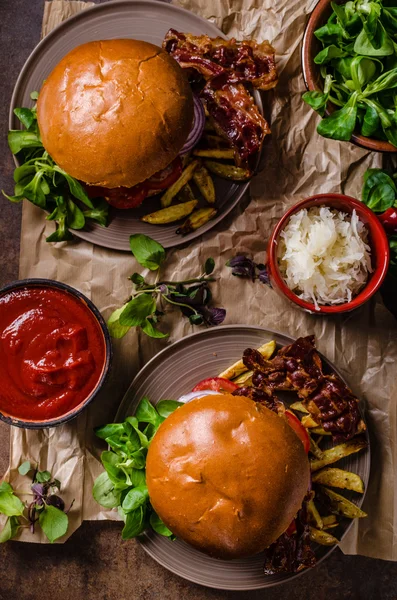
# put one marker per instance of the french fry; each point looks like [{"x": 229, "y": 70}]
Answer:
[
  {"x": 314, "y": 515},
  {"x": 209, "y": 126},
  {"x": 239, "y": 367},
  {"x": 332, "y": 526},
  {"x": 322, "y": 537},
  {"x": 186, "y": 159},
  {"x": 170, "y": 214},
  {"x": 218, "y": 153},
  {"x": 215, "y": 141},
  {"x": 186, "y": 194},
  {"x": 330, "y": 521},
  {"x": 204, "y": 182},
  {"x": 308, "y": 422},
  {"x": 320, "y": 431},
  {"x": 334, "y": 454},
  {"x": 340, "y": 479},
  {"x": 244, "y": 378},
  {"x": 199, "y": 218},
  {"x": 299, "y": 407},
  {"x": 339, "y": 505},
  {"x": 176, "y": 187},
  {"x": 228, "y": 171},
  {"x": 314, "y": 448}
]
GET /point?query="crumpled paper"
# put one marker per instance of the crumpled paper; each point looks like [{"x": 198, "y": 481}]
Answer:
[{"x": 297, "y": 163}]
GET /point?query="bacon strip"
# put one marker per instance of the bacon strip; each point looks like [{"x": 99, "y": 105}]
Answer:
[
  {"x": 243, "y": 62},
  {"x": 298, "y": 367},
  {"x": 226, "y": 66}
]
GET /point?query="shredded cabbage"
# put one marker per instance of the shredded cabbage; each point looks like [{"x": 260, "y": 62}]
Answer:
[{"x": 324, "y": 256}]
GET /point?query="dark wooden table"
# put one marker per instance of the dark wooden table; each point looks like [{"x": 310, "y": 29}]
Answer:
[{"x": 95, "y": 564}]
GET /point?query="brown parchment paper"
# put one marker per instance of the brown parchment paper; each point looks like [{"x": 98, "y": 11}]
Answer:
[{"x": 297, "y": 163}]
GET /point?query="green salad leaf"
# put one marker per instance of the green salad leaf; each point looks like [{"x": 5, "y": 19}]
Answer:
[
  {"x": 41, "y": 181},
  {"x": 123, "y": 483},
  {"x": 358, "y": 63}
]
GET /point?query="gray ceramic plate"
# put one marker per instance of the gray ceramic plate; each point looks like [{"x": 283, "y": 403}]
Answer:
[
  {"x": 144, "y": 20},
  {"x": 174, "y": 372}
]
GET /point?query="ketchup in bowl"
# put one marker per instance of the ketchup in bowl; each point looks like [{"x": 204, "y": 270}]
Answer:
[{"x": 53, "y": 352}]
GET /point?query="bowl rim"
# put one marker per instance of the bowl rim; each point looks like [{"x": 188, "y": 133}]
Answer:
[
  {"x": 308, "y": 69},
  {"x": 80, "y": 297},
  {"x": 376, "y": 279}
]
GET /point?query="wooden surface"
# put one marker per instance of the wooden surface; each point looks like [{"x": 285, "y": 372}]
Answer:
[{"x": 95, "y": 564}]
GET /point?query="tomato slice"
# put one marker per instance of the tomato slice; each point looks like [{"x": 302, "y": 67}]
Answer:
[
  {"x": 132, "y": 197},
  {"x": 166, "y": 177},
  {"x": 121, "y": 197},
  {"x": 217, "y": 384},
  {"x": 291, "y": 529},
  {"x": 299, "y": 429}
]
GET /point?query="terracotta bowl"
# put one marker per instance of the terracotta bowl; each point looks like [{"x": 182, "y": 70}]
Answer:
[
  {"x": 311, "y": 72},
  {"x": 377, "y": 240},
  {"x": 105, "y": 369}
]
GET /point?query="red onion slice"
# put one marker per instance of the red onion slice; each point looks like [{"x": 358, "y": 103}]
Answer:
[
  {"x": 197, "y": 127},
  {"x": 193, "y": 395}
]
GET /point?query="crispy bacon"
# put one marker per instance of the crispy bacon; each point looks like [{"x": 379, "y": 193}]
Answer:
[
  {"x": 243, "y": 62},
  {"x": 299, "y": 367},
  {"x": 225, "y": 66},
  {"x": 264, "y": 397},
  {"x": 236, "y": 118},
  {"x": 292, "y": 551}
]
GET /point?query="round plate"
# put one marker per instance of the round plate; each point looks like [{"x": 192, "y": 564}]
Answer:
[
  {"x": 143, "y": 20},
  {"x": 175, "y": 371}
]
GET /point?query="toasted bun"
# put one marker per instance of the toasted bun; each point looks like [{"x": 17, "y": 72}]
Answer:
[
  {"x": 226, "y": 475},
  {"x": 115, "y": 112}
]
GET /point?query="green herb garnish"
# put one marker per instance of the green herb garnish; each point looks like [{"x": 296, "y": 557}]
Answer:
[
  {"x": 123, "y": 483},
  {"x": 358, "y": 64},
  {"x": 143, "y": 308},
  {"x": 46, "y": 508},
  {"x": 41, "y": 181}
]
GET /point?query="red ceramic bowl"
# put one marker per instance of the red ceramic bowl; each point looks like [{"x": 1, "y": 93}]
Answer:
[
  {"x": 377, "y": 240},
  {"x": 311, "y": 72},
  {"x": 101, "y": 333}
]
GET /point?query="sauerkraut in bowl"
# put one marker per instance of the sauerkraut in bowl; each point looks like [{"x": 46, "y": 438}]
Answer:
[{"x": 328, "y": 254}]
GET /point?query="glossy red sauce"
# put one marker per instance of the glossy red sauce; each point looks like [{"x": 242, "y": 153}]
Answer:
[{"x": 52, "y": 353}]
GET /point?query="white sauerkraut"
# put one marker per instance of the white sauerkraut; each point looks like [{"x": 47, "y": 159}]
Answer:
[{"x": 324, "y": 256}]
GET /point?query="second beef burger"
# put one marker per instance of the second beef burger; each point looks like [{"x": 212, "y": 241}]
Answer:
[
  {"x": 227, "y": 475},
  {"x": 113, "y": 113}
]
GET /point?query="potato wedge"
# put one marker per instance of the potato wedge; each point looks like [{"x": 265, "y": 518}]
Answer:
[
  {"x": 340, "y": 479},
  {"x": 170, "y": 214},
  {"x": 218, "y": 153},
  {"x": 199, "y": 218},
  {"x": 228, "y": 171},
  {"x": 176, "y": 187},
  {"x": 339, "y": 505},
  {"x": 320, "y": 431},
  {"x": 308, "y": 422},
  {"x": 315, "y": 448},
  {"x": 331, "y": 526},
  {"x": 215, "y": 141},
  {"x": 330, "y": 521},
  {"x": 244, "y": 378},
  {"x": 186, "y": 159},
  {"x": 186, "y": 194},
  {"x": 205, "y": 184},
  {"x": 299, "y": 407},
  {"x": 337, "y": 452},
  {"x": 314, "y": 515},
  {"x": 239, "y": 367},
  {"x": 322, "y": 537}
]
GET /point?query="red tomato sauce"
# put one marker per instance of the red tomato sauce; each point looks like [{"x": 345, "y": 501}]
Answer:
[{"x": 52, "y": 353}]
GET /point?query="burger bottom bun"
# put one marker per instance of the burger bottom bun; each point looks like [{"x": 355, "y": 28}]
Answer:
[{"x": 226, "y": 475}]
